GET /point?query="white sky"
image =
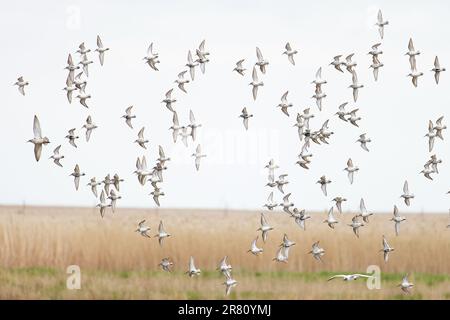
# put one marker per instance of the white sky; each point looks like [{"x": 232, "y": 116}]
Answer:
[{"x": 37, "y": 36}]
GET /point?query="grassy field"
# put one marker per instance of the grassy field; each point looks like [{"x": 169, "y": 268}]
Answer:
[{"x": 37, "y": 245}]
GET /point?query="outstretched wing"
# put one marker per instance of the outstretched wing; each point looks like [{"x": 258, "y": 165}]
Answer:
[
  {"x": 99, "y": 42},
  {"x": 259, "y": 54},
  {"x": 37, "y": 128}
]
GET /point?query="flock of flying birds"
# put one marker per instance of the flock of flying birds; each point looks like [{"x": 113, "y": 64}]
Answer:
[{"x": 110, "y": 187}]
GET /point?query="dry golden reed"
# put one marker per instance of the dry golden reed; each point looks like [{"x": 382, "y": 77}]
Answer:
[{"x": 119, "y": 263}]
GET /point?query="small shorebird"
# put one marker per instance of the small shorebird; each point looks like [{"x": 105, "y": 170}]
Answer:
[
  {"x": 185, "y": 134},
  {"x": 270, "y": 203},
  {"x": 265, "y": 227},
  {"x": 381, "y": 24},
  {"x": 349, "y": 64},
  {"x": 281, "y": 255},
  {"x": 318, "y": 81},
  {"x": 271, "y": 167},
  {"x": 412, "y": 53},
  {"x": 71, "y": 67},
  {"x": 376, "y": 65},
  {"x": 245, "y": 116},
  {"x": 93, "y": 184},
  {"x": 338, "y": 201},
  {"x": 374, "y": 52},
  {"x": 414, "y": 74},
  {"x": 224, "y": 267},
  {"x": 162, "y": 157},
  {"x": 128, "y": 116},
  {"x": 191, "y": 65},
  {"x": 198, "y": 156},
  {"x": 261, "y": 63},
  {"x": 77, "y": 174},
  {"x": 437, "y": 69},
  {"x": 271, "y": 183},
  {"x": 353, "y": 117},
  {"x": 355, "y": 85},
  {"x": 181, "y": 81},
  {"x": 85, "y": 62},
  {"x": 284, "y": 105},
  {"x": 323, "y": 181},
  {"x": 89, "y": 126},
  {"x": 142, "y": 229},
  {"x": 281, "y": 182},
  {"x": 141, "y": 141},
  {"x": 286, "y": 203},
  {"x": 337, "y": 63},
  {"x": 239, "y": 68},
  {"x": 113, "y": 197},
  {"x": 439, "y": 127},
  {"x": 57, "y": 156},
  {"x": 202, "y": 59},
  {"x": 255, "y": 83},
  {"x": 351, "y": 169},
  {"x": 21, "y": 83},
  {"x": 290, "y": 53},
  {"x": 107, "y": 181},
  {"x": 202, "y": 55},
  {"x": 254, "y": 248},
  {"x": 168, "y": 100},
  {"x": 77, "y": 81},
  {"x": 306, "y": 115},
  {"x": 405, "y": 285},
  {"x": 386, "y": 249},
  {"x": 192, "y": 271},
  {"x": 83, "y": 96},
  {"x": 286, "y": 243},
  {"x": 101, "y": 50},
  {"x": 229, "y": 283},
  {"x": 156, "y": 193},
  {"x": 317, "y": 251},
  {"x": 407, "y": 196},
  {"x": 433, "y": 162},
  {"x": 431, "y": 135},
  {"x": 166, "y": 264},
  {"x": 103, "y": 205},
  {"x": 162, "y": 234},
  {"x": 363, "y": 141},
  {"x": 300, "y": 217},
  {"x": 319, "y": 95},
  {"x": 427, "y": 171},
  {"x": 349, "y": 277},
  {"x": 331, "y": 220},
  {"x": 72, "y": 137},
  {"x": 397, "y": 219},
  {"x": 82, "y": 50},
  {"x": 175, "y": 127},
  {"x": 342, "y": 112},
  {"x": 117, "y": 181},
  {"x": 70, "y": 88},
  {"x": 363, "y": 213},
  {"x": 299, "y": 123},
  {"x": 38, "y": 140},
  {"x": 154, "y": 180},
  {"x": 158, "y": 169},
  {"x": 356, "y": 224},
  {"x": 151, "y": 58},
  {"x": 193, "y": 125}
]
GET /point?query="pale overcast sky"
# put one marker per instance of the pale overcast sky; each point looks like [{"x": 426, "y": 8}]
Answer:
[{"x": 37, "y": 36}]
